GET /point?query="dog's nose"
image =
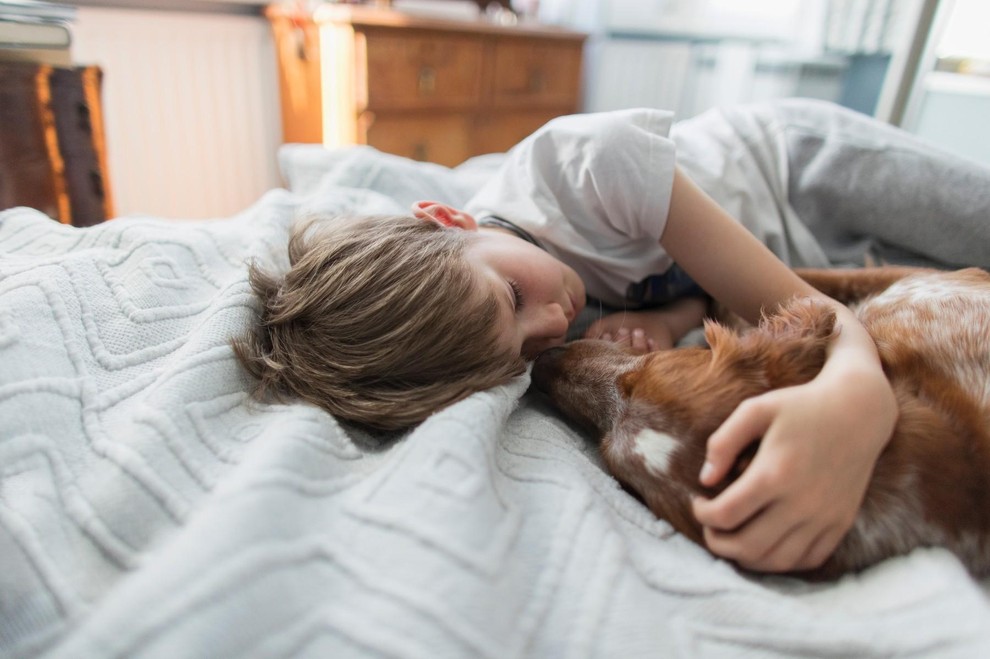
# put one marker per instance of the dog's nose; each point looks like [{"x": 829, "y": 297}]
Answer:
[{"x": 545, "y": 366}]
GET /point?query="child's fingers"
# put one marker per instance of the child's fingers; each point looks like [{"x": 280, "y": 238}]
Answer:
[
  {"x": 765, "y": 543},
  {"x": 820, "y": 549},
  {"x": 610, "y": 329},
  {"x": 746, "y": 424},
  {"x": 737, "y": 504},
  {"x": 639, "y": 341},
  {"x": 771, "y": 542}
]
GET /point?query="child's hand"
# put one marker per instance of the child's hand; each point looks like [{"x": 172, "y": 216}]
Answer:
[
  {"x": 654, "y": 329},
  {"x": 800, "y": 495},
  {"x": 638, "y": 339}
]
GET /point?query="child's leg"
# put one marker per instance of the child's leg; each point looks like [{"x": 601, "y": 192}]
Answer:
[
  {"x": 852, "y": 176},
  {"x": 823, "y": 185}
]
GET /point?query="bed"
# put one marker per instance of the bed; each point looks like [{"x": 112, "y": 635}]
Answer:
[{"x": 150, "y": 508}]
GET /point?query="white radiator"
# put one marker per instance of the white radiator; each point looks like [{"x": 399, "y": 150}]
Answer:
[
  {"x": 636, "y": 73},
  {"x": 191, "y": 108}
]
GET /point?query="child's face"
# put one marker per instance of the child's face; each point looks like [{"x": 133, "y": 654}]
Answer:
[{"x": 539, "y": 296}]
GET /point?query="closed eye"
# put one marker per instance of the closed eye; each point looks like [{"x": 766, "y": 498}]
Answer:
[{"x": 517, "y": 296}]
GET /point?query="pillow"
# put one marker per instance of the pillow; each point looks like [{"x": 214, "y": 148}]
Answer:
[{"x": 311, "y": 170}]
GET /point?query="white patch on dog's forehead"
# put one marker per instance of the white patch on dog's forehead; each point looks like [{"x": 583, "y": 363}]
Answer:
[{"x": 656, "y": 448}]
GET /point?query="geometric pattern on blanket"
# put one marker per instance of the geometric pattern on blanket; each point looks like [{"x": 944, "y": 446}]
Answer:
[{"x": 150, "y": 508}]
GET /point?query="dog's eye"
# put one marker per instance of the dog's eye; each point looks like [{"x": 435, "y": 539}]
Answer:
[{"x": 517, "y": 296}]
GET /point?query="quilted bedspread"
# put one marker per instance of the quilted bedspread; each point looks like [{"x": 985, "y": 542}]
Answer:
[{"x": 150, "y": 508}]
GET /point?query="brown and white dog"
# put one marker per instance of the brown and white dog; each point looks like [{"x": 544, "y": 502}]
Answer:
[{"x": 931, "y": 486}]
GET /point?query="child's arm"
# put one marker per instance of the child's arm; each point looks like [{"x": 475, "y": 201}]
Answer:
[{"x": 820, "y": 441}]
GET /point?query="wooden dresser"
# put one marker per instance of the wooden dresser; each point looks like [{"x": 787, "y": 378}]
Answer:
[{"x": 430, "y": 89}]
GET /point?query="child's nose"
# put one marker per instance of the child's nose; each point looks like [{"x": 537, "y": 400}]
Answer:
[
  {"x": 547, "y": 327},
  {"x": 554, "y": 321}
]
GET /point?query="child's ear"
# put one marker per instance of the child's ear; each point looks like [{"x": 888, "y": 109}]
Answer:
[{"x": 443, "y": 214}]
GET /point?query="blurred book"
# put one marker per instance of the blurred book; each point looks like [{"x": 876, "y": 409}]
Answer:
[
  {"x": 36, "y": 11},
  {"x": 34, "y": 31},
  {"x": 14, "y": 34}
]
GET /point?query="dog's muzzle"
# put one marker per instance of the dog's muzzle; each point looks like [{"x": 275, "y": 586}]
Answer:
[{"x": 546, "y": 368}]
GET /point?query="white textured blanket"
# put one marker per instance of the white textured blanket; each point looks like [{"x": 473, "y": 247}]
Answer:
[{"x": 148, "y": 508}]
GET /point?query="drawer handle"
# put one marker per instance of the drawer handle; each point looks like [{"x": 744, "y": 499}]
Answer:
[
  {"x": 427, "y": 80},
  {"x": 96, "y": 182},
  {"x": 83, "y": 117},
  {"x": 537, "y": 81}
]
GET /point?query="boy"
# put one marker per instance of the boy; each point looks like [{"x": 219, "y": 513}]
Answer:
[{"x": 384, "y": 320}]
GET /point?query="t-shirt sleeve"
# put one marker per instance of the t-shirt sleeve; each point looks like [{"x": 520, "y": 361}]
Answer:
[{"x": 606, "y": 176}]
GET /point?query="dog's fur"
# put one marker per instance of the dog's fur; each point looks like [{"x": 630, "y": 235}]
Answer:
[{"x": 931, "y": 486}]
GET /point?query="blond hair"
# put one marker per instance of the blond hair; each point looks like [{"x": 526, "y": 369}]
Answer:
[{"x": 378, "y": 320}]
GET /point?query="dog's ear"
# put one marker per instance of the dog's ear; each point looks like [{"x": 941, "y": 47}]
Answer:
[
  {"x": 802, "y": 319},
  {"x": 746, "y": 351},
  {"x": 799, "y": 334},
  {"x": 785, "y": 348},
  {"x": 718, "y": 336}
]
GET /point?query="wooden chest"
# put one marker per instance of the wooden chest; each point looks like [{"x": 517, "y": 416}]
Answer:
[
  {"x": 424, "y": 88},
  {"x": 52, "y": 145}
]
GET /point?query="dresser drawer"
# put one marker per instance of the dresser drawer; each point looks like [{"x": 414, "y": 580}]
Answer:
[
  {"x": 537, "y": 72},
  {"x": 439, "y": 137},
  {"x": 499, "y": 132},
  {"x": 420, "y": 70}
]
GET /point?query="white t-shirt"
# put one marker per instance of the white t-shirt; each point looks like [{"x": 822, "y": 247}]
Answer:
[{"x": 594, "y": 191}]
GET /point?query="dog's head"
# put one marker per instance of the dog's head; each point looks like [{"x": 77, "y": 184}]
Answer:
[
  {"x": 654, "y": 413},
  {"x": 598, "y": 383},
  {"x": 582, "y": 379}
]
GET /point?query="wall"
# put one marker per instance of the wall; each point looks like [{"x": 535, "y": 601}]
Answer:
[
  {"x": 191, "y": 108},
  {"x": 953, "y": 114},
  {"x": 691, "y": 55}
]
